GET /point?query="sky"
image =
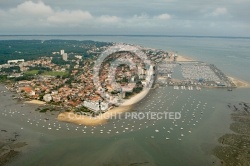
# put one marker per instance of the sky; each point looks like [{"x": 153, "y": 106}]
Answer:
[{"x": 131, "y": 17}]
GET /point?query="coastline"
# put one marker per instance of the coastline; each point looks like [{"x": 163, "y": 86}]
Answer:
[
  {"x": 136, "y": 98},
  {"x": 232, "y": 147},
  {"x": 239, "y": 83},
  {"x": 91, "y": 121},
  {"x": 102, "y": 118},
  {"x": 183, "y": 58},
  {"x": 35, "y": 102}
]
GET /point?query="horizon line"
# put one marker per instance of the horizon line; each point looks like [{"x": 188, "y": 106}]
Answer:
[{"x": 141, "y": 35}]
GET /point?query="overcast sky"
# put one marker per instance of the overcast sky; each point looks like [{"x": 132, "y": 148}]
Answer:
[{"x": 131, "y": 17}]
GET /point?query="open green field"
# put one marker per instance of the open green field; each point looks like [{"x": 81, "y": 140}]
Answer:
[
  {"x": 55, "y": 73},
  {"x": 31, "y": 72},
  {"x": 51, "y": 73}
]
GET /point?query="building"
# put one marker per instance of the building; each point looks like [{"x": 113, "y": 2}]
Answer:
[
  {"x": 47, "y": 97},
  {"x": 78, "y": 57},
  {"x": 32, "y": 93},
  {"x": 94, "y": 106},
  {"x": 140, "y": 71},
  {"x": 129, "y": 87},
  {"x": 150, "y": 70},
  {"x": 55, "y": 53},
  {"x": 65, "y": 56},
  {"x": 104, "y": 106},
  {"x": 144, "y": 83},
  {"x": 15, "y": 61},
  {"x": 61, "y": 52}
]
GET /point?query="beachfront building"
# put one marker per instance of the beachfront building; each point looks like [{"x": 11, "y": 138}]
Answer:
[
  {"x": 104, "y": 106},
  {"x": 94, "y": 106},
  {"x": 114, "y": 99},
  {"x": 129, "y": 87},
  {"x": 150, "y": 70}
]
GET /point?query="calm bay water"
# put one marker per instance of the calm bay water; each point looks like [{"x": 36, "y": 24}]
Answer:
[{"x": 188, "y": 141}]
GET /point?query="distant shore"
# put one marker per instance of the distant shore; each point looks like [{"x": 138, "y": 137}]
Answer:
[{"x": 103, "y": 118}]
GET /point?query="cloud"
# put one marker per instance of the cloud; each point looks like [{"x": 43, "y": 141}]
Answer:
[
  {"x": 108, "y": 19},
  {"x": 40, "y": 15},
  {"x": 158, "y": 17},
  {"x": 145, "y": 20},
  {"x": 66, "y": 16},
  {"x": 164, "y": 16},
  {"x": 34, "y": 14},
  {"x": 219, "y": 11},
  {"x": 32, "y": 8}
]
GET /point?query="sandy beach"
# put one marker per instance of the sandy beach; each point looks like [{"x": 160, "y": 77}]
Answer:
[
  {"x": 240, "y": 83},
  {"x": 35, "y": 102},
  {"x": 182, "y": 58},
  {"x": 92, "y": 121},
  {"x": 103, "y": 118},
  {"x": 100, "y": 119},
  {"x": 136, "y": 98}
]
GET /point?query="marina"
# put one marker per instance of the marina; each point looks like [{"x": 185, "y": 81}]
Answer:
[{"x": 186, "y": 75}]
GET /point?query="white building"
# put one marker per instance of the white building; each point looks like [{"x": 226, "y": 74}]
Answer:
[
  {"x": 96, "y": 106},
  {"x": 104, "y": 106},
  {"x": 150, "y": 70},
  {"x": 15, "y": 61},
  {"x": 140, "y": 71},
  {"x": 61, "y": 52},
  {"x": 92, "y": 105},
  {"x": 32, "y": 93},
  {"x": 144, "y": 83},
  {"x": 78, "y": 57},
  {"x": 133, "y": 79},
  {"x": 55, "y": 53},
  {"x": 65, "y": 56},
  {"x": 54, "y": 92},
  {"x": 47, "y": 97}
]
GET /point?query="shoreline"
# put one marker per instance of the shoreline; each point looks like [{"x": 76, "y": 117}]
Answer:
[
  {"x": 92, "y": 121},
  {"x": 102, "y": 118},
  {"x": 136, "y": 98},
  {"x": 233, "y": 146},
  {"x": 239, "y": 83},
  {"x": 38, "y": 102},
  {"x": 184, "y": 58}
]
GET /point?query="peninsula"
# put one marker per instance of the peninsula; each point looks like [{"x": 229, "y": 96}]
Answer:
[{"x": 60, "y": 77}]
